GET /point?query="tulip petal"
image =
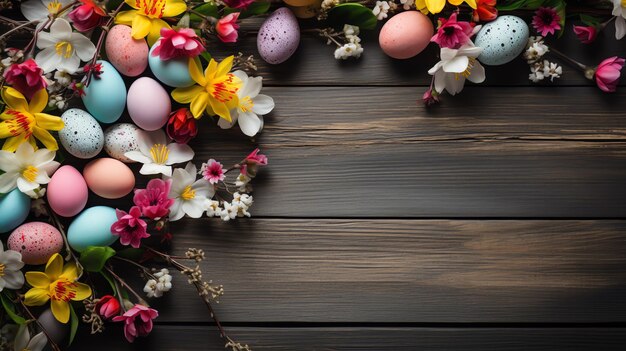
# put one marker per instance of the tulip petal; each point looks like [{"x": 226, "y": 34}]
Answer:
[
  {"x": 195, "y": 71},
  {"x": 39, "y": 101},
  {"x": 140, "y": 27},
  {"x": 49, "y": 122},
  {"x": 186, "y": 95},
  {"x": 14, "y": 99},
  {"x": 36, "y": 297},
  {"x": 46, "y": 138},
  {"x": 54, "y": 268},
  {"x": 83, "y": 291},
  {"x": 174, "y": 8},
  {"x": 60, "y": 310},
  {"x": 38, "y": 279},
  {"x": 126, "y": 17},
  {"x": 198, "y": 104}
]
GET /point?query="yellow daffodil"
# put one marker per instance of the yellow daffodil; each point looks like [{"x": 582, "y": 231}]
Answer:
[
  {"x": 215, "y": 91},
  {"x": 435, "y": 6},
  {"x": 145, "y": 17},
  {"x": 58, "y": 284},
  {"x": 22, "y": 121}
]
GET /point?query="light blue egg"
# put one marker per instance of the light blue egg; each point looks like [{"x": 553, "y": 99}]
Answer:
[
  {"x": 92, "y": 228},
  {"x": 174, "y": 72},
  {"x": 105, "y": 97},
  {"x": 14, "y": 208},
  {"x": 502, "y": 40}
]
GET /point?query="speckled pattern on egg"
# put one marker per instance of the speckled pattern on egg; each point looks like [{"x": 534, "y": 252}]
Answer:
[
  {"x": 128, "y": 55},
  {"x": 502, "y": 40},
  {"x": 278, "y": 36},
  {"x": 36, "y": 241},
  {"x": 82, "y": 136},
  {"x": 119, "y": 139}
]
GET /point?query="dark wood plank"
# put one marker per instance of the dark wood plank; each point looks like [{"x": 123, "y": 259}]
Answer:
[
  {"x": 367, "y": 339},
  {"x": 425, "y": 271}
]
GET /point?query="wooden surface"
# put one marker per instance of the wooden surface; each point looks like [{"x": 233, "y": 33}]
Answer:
[{"x": 495, "y": 221}]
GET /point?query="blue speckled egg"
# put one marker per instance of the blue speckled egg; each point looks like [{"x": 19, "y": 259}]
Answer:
[
  {"x": 278, "y": 36},
  {"x": 92, "y": 228},
  {"x": 105, "y": 97},
  {"x": 14, "y": 208},
  {"x": 174, "y": 72},
  {"x": 502, "y": 40},
  {"x": 82, "y": 136}
]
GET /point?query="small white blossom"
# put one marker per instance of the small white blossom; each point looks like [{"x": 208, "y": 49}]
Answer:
[
  {"x": 56, "y": 101},
  {"x": 328, "y": 4},
  {"x": 380, "y": 10},
  {"x": 213, "y": 208},
  {"x": 229, "y": 211},
  {"x": 151, "y": 289},
  {"x": 407, "y": 4},
  {"x": 243, "y": 199},
  {"x": 348, "y": 50},
  {"x": 243, "y": 183},
  {"x": 536, "y": 72},
  {"x": 162, "y": 284},
  {"x": 552, "y": 70},
  {"x": 535, "y": 52}
]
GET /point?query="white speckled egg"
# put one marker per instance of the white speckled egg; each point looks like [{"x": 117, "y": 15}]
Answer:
[
  {"x": 278, "y": 36},
  {"x": 121, "y": 138},
  {"x": 36, "y": 241},
  {"x": 502, "y": 40},
  {"x": 82, "y": 135}
]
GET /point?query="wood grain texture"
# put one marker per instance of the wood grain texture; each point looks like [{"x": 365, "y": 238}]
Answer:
[{"x": 405, "y": 271}]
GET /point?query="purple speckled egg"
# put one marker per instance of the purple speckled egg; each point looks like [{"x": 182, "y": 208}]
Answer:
[
  {"x": 278, "y": 37},
  {"x": 128, "y": 55},
  {"x": 36, "y": 241}
]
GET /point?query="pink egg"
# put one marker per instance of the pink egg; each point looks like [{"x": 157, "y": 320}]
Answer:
[
  {"x": 148, "y": 104},
  {"x": 36, "y": 241},
  {"x": 406, "y": 34},
  {"x": 109, "y": 178},
  {"x": 128, "y": 55},
  {"x": 67, "y": 192}
]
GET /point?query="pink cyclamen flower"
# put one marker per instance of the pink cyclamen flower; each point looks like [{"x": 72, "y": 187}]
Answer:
[
  {"x": 213, "y": 171},
  {"x": 108, "y": 306},
  {"x": 452, "y": 33},
  {"x": 137, "y": 321},
  {"x": 238, "y": 4},
  {"x": 227, "y": 27},
  {"x": 252, "y": 162},
  {"x": 26, "y": 77},
  {"x": 430, "y": 97},
  {"x": 586, "y": 34},
  {"x": 546, "y": 20},
  {"x": 177, "y": 43},
  {"x": 86, "y": 16},
  {"x": 608, "y": 73},
  {"x": 153, "y": 200},
  {"x": 130, "y": 227}
]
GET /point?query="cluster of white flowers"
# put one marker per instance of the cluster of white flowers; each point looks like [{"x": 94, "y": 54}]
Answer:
[
  {"x": 407, "y": 4},
  {"x": 540, "y": 69},
  {"x": 329, "y": 4},
  {"x": 243, "y": 183},
  {"x": 13, "y": 56},
  {"x": 381, "y": 9},
  {"x": 353, "y": 46},
  {"x": 162, "y": 284},
  {"x": 237, "y": 208}
]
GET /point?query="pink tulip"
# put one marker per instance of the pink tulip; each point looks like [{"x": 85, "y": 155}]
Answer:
[
  {"x": 586, "y": 35},
  {"x": 227, "y": 27},
  {"x": 108, "y": 307},
  {"x": 86, "y": 16},
  {"x": 177, "y": 43},
  {"x": 608, "y": 73},
  {"x": 137, "y": 321}
]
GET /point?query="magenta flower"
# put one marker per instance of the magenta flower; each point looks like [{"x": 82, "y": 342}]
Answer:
[
  {"x": 451, "y": 33},
  {"x": 130, "y": 227},
  {"x": 153, "y": 200},
  {"x": 227, "y": 27},
  {"x": 137, "y": 321},
  {"x": 26, "y": 77},
  {"x": 213, "y": 171},
  {"x": 608, "y": 73},
  {"x": 252, "y": 162},
  {"x": 108, "y": 306},
  {"x": 586, "y": 35},
  {"x": 181, "y": 43},
  {"x": 546, "y": 20},
  {"x": 430, "y": 97},
  {"x": 86, "y": 16},
  {"x": 238, "y": 4}
]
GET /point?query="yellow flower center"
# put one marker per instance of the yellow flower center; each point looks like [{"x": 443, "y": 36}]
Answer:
[
  {"x": 159, "y": 153},
  {"x": 225, "y": 89},
  {"x": 62, "y": 290},
  {"x": 151, "y": 8},
  {"x": 30, "y": 173},
  {"x": 246, "y": 104},
  {"x": 188, "y": 193},
  {"x": 54, "y": 7},
  {"x": 64, "y": 49},
  {"x": 2, "y": 266}
]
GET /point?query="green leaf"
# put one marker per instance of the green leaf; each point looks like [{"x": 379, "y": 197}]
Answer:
[
  {"x": 94, "y": 257},
  {"x": 521, "y": 4},
  {"x": 73, "y": 324},
  {"x": 10, "y": 309},
  {"x": 206, "y": 56},
  {"x": 354, "y": 14},
  {"x": 207, "y": 9},
  {"x": 110, "y": 281},
  {"x": 590, "y": 20}
]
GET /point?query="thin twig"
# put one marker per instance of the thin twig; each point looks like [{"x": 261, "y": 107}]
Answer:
[{"x": 53, "y": 344}]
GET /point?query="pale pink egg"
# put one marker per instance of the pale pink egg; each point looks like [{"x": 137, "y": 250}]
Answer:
[
  {"x": 128, "y": 55},
  {"x": 67, "y": 192},
  {"x": 109, "y": 178},
  {"x": 406, "y": 34},
  {"x": 36, "y": 241},
  {"x": 148, "y": 104}
]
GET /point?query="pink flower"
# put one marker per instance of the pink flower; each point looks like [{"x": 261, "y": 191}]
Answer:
[
  {"x": 586, "y": 35},
  {"x": 451, "y": 33},
  {"x": 429, "y": 98},
  {"x": 86, "y": 16},
  {"x": 608, "y": 73},
  {"x": 26, "y": 77},
  {"x": 137, "y": 321},
  {"x": 546, "y": 20},
  {"x": 181, "y": 43},
  {"x": 153, "y": 200},
  {"x": 213, "y": 171},
  {"x": 252, "y": 162},
  {"x": 485, "y": 11},
  {"x": 108, "y": 306},
  {"x": 238, "y": 4},
  {"x": 130, "y": 227},
  {"x": 226, "y": 28}
]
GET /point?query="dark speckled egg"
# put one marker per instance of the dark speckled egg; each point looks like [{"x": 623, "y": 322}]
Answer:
[
  {"x": 278, "y": 37},
  {"x": 36, "y": 241}
]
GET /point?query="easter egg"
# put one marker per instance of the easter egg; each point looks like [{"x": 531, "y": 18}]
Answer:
[
  {"x": 128, "y": 55},
  {"x": 14, "y": 208},
  {"x": 149, "y": 104},
  {"x": 406, "y": 34},
  {"x": 174, "y": 72},
  {"x": 67, "y": 192},
  {"x": 105, "y": 97},
  {"x": 36, "y": 241},
  {"x": 92, "y": 228},
  {"x": 82, "y": 135},
  {"x": 109, "y": 178},
  {"x": 307, "y": 11},
  {"x": 55, "y": 329},
  {"x": 121, "y": 138},
  {"x": 502, "y": 40},
  {"x": 278, "y": 36}
]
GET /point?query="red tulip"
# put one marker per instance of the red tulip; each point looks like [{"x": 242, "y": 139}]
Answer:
[
  {"x": 586, "y": 35},
  {"x": 86, "y": 16},
  {"x": 108, "y": 307},
  {"x": 227, "y": 27},
  {"x": 182, "y": 126},
  {"x": 485, "y": 11}
]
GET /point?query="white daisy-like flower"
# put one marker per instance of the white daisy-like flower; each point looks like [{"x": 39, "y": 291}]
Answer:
[
  {"x": 157, "y": 155},
  {"x": 552, "y": 70},
  {"x": 11, "y": 276},
  {"x": 455, "y": 67},
  {"x": 63, "y": 49},
  {"x": 190, "y": 195},
  {"x": 26, "y": 169},
  {"x": 39, "y": 10}
]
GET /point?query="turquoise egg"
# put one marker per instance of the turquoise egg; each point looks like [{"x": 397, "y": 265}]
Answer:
[
  {"x": 105, "y": 97},
  {"x": 14, "y": 208},
  {"x": 92, "y": 228},
  {"x": 174, "y": 72}
]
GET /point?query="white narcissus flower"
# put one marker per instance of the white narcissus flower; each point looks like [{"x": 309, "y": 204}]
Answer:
[
  {"x": 252, "y": 106},
  {"x": 24, "y": 342},
  {"x": 190, "y": 195},
  {"x": 157, "y": 155},
  {"x": 27, "y": 169},
  {"x": 619, "y": 11},
  {"x": 63, "y": 49},
  {"x": 455, "y": 66},
  {"x": 38, "y": 10},
  {"x": 11, "y": 276}
]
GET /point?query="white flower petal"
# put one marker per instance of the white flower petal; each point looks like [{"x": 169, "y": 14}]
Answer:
[
  {"x": 191, "y": 169},
  {"x": 26, "y": 186},
  {"x": 203, "y": 188},
  {"x": 179, "y": 153},
  {"x": 61, "y": 30},
  {"x": 478, "y": 73},
  {"x": 13, "y": 279},
  {"x": 138, "y": 157},
  {"x": 8, "y": 161},
  {"x": 194, "y": 208},
  {"x": 249, "y": 123},
  {"x": 176, "y": 211},
  {"x": 48, "y": 59},
  {"x": 83, "y": 46},
  {"x": 153, "y": 168},
  {"x": 8, "y": 182},
  {"x": 38, "y": 342},
  {"x": 252, "y": 88},
  {"x": 263, "y": 104},
  {"x": 456, "y": 65},
  {"x": 34, "y": 10},
  {"x": 224, "y": 124},
  {"x": 620, "y": 27},
  {"x": 21, "y": 338},
  {"x": 69, "y": 64}
]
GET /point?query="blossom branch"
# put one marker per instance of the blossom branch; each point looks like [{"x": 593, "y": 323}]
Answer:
[{"x": 105, "y": 30}]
